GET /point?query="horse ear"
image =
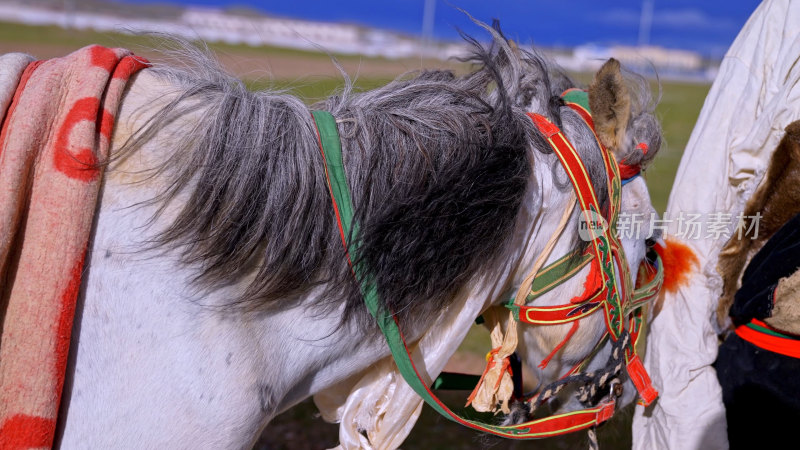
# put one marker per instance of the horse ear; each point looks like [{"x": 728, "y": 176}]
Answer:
[{"x": 610, "y": 102}]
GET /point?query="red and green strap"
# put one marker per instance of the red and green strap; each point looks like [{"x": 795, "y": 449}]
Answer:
[
  {"x": 605, "y": 244},
  {"x": 331, "y": 147},
  {"x": 558, "y": 272},
  {"x": 555, "y": 425},
  {"x": 764, "y": 336},
  {"x": 585, "y": 192}
]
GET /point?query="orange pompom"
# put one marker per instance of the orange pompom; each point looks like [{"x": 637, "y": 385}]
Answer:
[{"x": 678, "y": 260}]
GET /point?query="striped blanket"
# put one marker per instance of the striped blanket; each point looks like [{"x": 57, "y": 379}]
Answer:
[{"x": 57, "y": 117}]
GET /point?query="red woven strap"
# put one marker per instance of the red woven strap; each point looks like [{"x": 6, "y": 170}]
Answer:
[
  {"x": 579, "y": 420},
  {"x": 588, "y": 201},
  {"x": 554, "y": 315},
  {"x": 641, "y": 380},
  {"x": 786, "y": 346},
  {"x": 586, "y": 115},
  {"x": 626, "y": 171}
]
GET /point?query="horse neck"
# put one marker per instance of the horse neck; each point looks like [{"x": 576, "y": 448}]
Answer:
[
  {"x": 143, "y": 304},
  {"x": 155, "y": 346}
]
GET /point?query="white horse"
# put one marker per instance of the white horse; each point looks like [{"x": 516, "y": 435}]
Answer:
[{"x": 161, "y": 358}]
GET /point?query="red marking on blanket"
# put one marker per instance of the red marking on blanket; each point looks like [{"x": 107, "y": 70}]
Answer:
[
  {"x": 82, "y": 163},
  {"x": 21, "y": 432},
  {"x": 678, "y": 260},
  {"x": 66, "y": 107},
  {"x": 68, "y": 299},
  {"x": 130, "y": 65},
  {"x": 103, "y": 57},
  {"x": 107, "y": 124},
  {"x": 23, "y": 80}
]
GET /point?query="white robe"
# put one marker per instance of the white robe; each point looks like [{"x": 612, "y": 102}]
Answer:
[{"x": 754, "y": 97}]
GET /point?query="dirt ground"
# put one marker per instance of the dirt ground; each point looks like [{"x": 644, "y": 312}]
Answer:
[{"x": 301, "y": 428}]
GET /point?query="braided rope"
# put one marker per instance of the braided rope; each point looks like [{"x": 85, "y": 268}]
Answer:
[
  {"x": 592, "y": 432},
  {"x": 592, "y": 382}
]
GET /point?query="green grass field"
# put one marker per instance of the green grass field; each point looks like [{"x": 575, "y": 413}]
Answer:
[
  {"x": 27, "y": 35},
  {"x": 300, "y": 427}
]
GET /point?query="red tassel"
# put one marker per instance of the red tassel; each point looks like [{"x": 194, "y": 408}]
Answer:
[
  {"x": 592, "y": 284},
  {"x": 678, "y": 260},
  {"x": 561, "y": 344}
]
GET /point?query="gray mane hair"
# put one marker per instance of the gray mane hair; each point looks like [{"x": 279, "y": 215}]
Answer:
[
  {"x": 438, "y": 165},
  {"x": 534, "y": 83},
  {"x": 437, "y": 172}
]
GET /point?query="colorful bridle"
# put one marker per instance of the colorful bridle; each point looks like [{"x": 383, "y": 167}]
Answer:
[{"x": 621, "y": 305}]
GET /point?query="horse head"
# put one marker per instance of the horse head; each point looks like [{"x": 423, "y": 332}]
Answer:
[
  {"x": 623, "y": 122},
  {"x": 623, "y": 116}
]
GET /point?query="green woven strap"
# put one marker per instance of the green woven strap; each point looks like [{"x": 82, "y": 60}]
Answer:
[
  {"x": 340, "y": 195},
  {"x": 559, "y": 271},
  {"x": 577, "y": 96},
  {"x": 648, "y": 291},
  {"x": 331, "y": 147}
]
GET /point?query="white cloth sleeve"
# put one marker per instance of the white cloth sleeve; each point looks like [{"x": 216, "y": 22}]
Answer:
[{"x": 754, "y": 97}]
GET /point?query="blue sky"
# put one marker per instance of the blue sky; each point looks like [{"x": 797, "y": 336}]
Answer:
[{"x": 707, "y": 26}]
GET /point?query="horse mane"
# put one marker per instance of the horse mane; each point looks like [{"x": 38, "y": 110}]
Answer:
[
  {"x": 532, "y": 82},
  {"x": 438, "y": 166}
]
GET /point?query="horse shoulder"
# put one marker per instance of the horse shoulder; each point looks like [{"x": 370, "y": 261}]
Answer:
[{"x": 147, "y": 354}]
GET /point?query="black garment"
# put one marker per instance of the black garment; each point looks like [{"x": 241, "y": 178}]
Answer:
[
  {"x": 761, "y": 392},
  {"x": 779, "y": 258},
  {"x": 761, "y": 389}
]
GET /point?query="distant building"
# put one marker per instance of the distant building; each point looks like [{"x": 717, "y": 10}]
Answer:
[
  {"x": 219, "y": 26},
  {"x": 668, "y": 63},
  {"x": 665, "y": 58}
]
